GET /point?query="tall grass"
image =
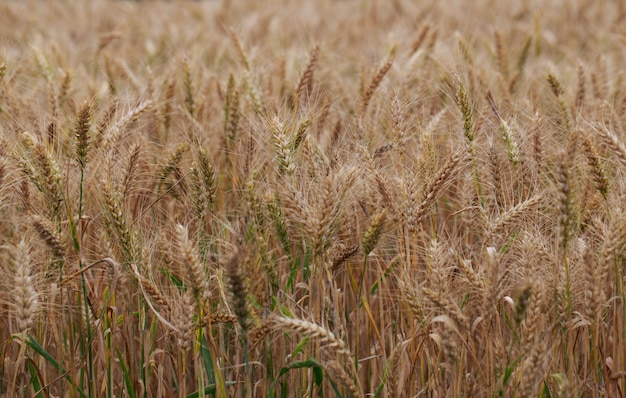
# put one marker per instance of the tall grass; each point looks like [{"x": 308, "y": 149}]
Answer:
[{"x": 357, "y": 198}]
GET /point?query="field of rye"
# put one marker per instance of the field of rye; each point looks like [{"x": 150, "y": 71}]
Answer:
[{"x": 357, "y": 198}]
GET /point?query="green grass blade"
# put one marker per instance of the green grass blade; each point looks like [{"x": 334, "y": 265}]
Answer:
[
  {"x": 312, "y": 364},
  {"x": 127, "y": 379},
  {"x": 36, "y": 379}
]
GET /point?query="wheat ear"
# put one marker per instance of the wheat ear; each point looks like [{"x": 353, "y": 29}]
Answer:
[
  {"x": 25, "y": 295},
  {"x": 325, "y": 337},
  {"x": 375, "y": 82}
]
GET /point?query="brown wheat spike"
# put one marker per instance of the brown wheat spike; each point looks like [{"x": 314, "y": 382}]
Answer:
[
  {"x": 433, "y": 190},
  {"x": 300, "y": 134},
  {"x": 512, "y": 148},
  {"x": 501, "y": 55},
  {"x": 221, "y": 318},
  {"x": 53, "y": 110},
  {"x": 512, "y": 215},
  {"x": 534, "y": 311},
  {"x": 465, "y": 49},
  {"x": 238, "y": 290},
  {"x": 47, "y": 176},
  {"x": 339, "y": 375},
  {"x": 325, "y": 217},
  {"x": 116, "y": 220},
  {"x": 580, "y": 92},
  {"x": 521, "y": 304},
  {"x": 492, "y": 280},
  {"x": 558, "y": 91},
  {"x": 555, "y": 85},
  {"x": 231, "y": 111},
  {"x": 278, "y": 220},
  {"x": 564, "y": 198},
  {"x": 372, "y": 233},
  {"x": 376, "y": 80},
  {"x": 25, "y": 298},
  {"x": 342, "y": 256},
  {"x": 166, "y": 109},
  {"x": 594, "y": 295},
  {"x": 183, "y": 320},
  {"x": 432, "y": 41},
  {"x": 600, "y": 180},
  {"x": 105, "y": 121},
  {"x": 392, "y": 373},
  {"x": 131, "y": 168},
  {"x": 492, "y": 105},
  {"x": 190, "y": 102},
  {"x": 412, "y": 299},
  {"x": 523, "y": 56},
  {"x": 383, "y": 191},
  {"x": 325, "y": 337},
  {"x": 533, "y": 369},
  {"x": 172, "y": 164},
  {"x": 284, "y": 153},
  {"x": 242, "y": 54},
  {"x": 81, "y": 131},
  {"x": 447, "y": 307},
  {"x": 537, "y": 144},
  {"x": 494, "y": 168},
  {"x": 472, "y": 276},
  {"x": 112, "y": 134},
  {"x": 113, "y": 69},
  {"x": 259, "y": 333},
  {"x": 191, "y": 262},
  {"x": 3, "y": 170},
  {"x": 208, "y": 174},
  {"x": 64, "y": 91},
  {"x": 598, "y": 92},
  {"x": 467, "y": 113},
  {"x": 155, "y": 294},
  {"x": 615, "y": 144},
  {"x": 613, "y": 245},
  {"x": 421, "y": 36},
  {"x": 304, "y": 87},
  {"x": 449, "y": 344},
  {"x": 46, "y": 232}
]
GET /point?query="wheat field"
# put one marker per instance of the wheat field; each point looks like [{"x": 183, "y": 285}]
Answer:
[{"x": 356, "y": 198}]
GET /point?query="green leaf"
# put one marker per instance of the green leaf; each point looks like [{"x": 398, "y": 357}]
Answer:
[
  {"x": 32, "y": 343},
  {"x": 211, "y": 389},
  {"x": 207, "y": 360},
  {"x": 35, "y": 379},
  {"x": 309, "y": 363},
  {"x": 127, "y": 379},
  {"x": 545, "y": 392},
  {"x": 300, "y": 347}
]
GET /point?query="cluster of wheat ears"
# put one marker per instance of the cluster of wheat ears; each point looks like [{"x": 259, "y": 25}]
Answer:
[{"x": 320, "y": 198}]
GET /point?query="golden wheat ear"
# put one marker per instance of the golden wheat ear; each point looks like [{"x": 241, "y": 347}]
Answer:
[
  {"x": 190, "y": 260},
  {"x": 325, "y": 337},
  {"x": 25, "y": 297}
]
